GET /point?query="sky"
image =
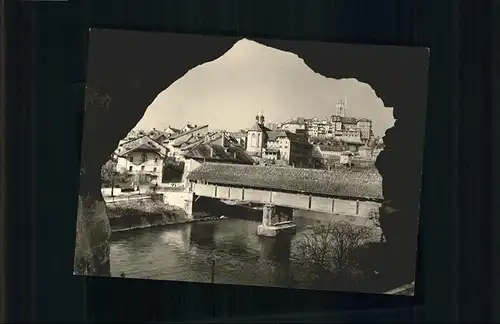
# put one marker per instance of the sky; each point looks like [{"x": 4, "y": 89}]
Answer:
[{"x": 250, "y": 78}]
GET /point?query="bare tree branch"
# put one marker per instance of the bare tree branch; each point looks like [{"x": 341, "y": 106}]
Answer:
[{"x": 325, "y": 252}]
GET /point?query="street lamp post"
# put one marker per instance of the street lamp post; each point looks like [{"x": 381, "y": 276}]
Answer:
[
  {"x": 112, "y": 183},
  {"x": 112, "y": 175},
  {"x": 212, "y": 276}
]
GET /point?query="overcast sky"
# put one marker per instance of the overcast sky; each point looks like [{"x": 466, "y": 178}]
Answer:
[{"x": 228, "y": 92}]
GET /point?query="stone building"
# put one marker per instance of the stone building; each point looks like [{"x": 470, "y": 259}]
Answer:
[{"x": 257, "y": 137}]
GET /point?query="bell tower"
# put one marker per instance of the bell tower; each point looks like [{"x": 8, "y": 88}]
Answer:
[
  {"x": 260, "y": 118},
  {"x": 341, "y": 108}
]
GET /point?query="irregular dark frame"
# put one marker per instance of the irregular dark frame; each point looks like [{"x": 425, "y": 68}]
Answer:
[
  {"x": 47, "y": 46},
  {"x": 132, "y": 95}
]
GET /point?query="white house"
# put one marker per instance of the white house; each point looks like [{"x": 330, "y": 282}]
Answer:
[{"x": 141, "y": 156}]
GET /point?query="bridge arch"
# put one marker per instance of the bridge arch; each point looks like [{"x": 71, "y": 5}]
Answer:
[{"x": 132, "y": 93}]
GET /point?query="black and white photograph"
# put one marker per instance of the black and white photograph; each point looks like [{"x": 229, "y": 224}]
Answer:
[{"x": 243, "y": 161}]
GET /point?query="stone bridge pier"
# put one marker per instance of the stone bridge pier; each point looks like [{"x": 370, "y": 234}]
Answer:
[{"x": 276, "y": 220}]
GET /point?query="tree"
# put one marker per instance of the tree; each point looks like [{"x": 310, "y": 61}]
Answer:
[
  {"x": 317, "y": 160},
  {"x": 326, "y": 252},
  {"x": 109, "y": 174}
]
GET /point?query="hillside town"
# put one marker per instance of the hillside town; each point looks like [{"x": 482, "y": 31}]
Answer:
[{"x": 170, "y": 154}]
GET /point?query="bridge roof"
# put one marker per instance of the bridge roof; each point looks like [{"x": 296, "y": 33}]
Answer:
[{"x": 341, "y": 183}]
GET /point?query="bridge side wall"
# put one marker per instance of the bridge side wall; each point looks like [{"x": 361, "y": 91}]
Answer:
[
  {"x": 322, "y": 204},
  {"x": 257, "y": 195},
  {"x": 223, "y": 192},
  {"x": 236, "y": 193},
  {"x": 204, "y": 190},
  {"x": 365, "y": 207},
  {"x": 297, "y": 201},
  {"x": 345, "y": 207},
  {"x": 290, "y": 200}
]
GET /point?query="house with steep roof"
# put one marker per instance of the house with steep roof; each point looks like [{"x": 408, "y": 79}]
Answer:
[
  {"x": 241, "y": 138},
  {"x": 171, "y": 130},
  {"x": 330, "y": 151},
  {"x": 188, "y": 127},
  {"x": 163, "y": 136},
  {"x": 293, "y": 148},
  {"x": 218, "y": 149},
  {"x": 294, "y": 125},
  {"x": 177, "y": 143},
  {"x": 141, "y": 156}
]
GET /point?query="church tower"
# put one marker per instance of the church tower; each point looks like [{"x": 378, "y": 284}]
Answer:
[
  {"x": 262, "y": 119},
  {"x": 341, "y": 107},
  {"x": 256, "y": 136}
]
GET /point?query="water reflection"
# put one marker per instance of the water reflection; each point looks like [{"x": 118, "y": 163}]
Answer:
[
  {"x": 202, "y": 235},
  {"x": 186, "y": 252}
]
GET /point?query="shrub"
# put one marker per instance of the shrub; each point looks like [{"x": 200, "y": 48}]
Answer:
[
  {"x": 326, "y": 252},
  {"x": 374, "y": 216}
]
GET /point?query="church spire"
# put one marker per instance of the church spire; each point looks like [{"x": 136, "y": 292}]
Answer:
[
  {"x": 261, "y": 117},
  {"x": 341, "y": 107}
]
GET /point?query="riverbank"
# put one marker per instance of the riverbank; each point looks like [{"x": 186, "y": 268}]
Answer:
[{"x": 136, "y": 214}]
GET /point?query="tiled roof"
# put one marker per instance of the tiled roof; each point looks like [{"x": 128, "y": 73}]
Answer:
[
  {"x": 192, "y": 130},
  {"x": 349, "y": 120},
  {"x": 175, "y": 130},
  {"x": 298, "y": 138},
  {"x": 239, "y": 135},
  {"x": 364, "y": 120},
  {"x": 298, "y": 121},
  {"x": 142, "y": 143},
  {"x": 156, "y": 135},
  {"x": 147, "y": 147},
  {"x": 273, "y": 135},
  {"x": 341, "y": 182},
  {"x": 189, "y": 141},
  {"x": 228, "y": 139},
  {"x": 259, "y": 128},
  {"x": 204, "y": 150}
]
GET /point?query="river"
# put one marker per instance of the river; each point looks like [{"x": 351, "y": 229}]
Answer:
[{"x": 226, "y": 251}]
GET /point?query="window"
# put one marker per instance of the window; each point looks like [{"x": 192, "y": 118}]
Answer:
[
  {"x": 131, "y": 158},
  {"x": 142, "y": 168},
  {"x": 156, "y": 160},
  {"x": 130, "y": 168},
  {"x": 154, "y": 169},
  {"x": 252, "y": 139},
  {"x": 144, "y": 157}
]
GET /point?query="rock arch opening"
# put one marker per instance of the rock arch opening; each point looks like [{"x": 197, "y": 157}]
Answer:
[{"x": 399, "y": 163}]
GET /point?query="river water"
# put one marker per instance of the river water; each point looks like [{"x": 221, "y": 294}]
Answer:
[{"x": 223, "y": 251}]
